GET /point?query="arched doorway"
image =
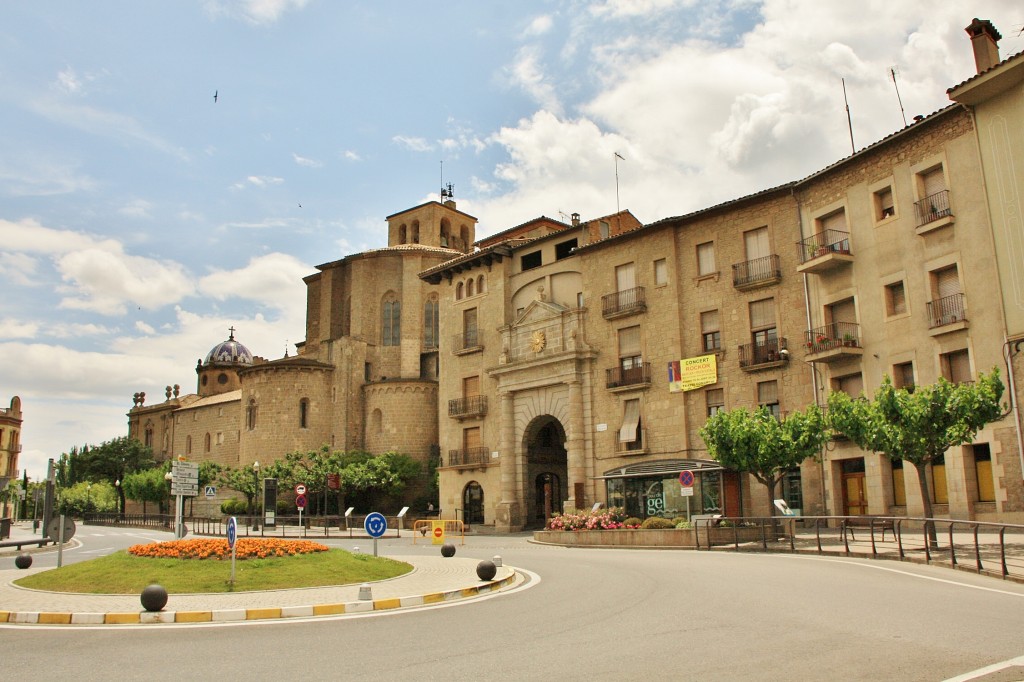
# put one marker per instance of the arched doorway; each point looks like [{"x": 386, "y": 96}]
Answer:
[
  {"x": 546, "y": 469},
  {"x": 473, "y": 503}
]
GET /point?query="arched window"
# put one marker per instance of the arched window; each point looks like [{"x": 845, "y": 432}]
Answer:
[
  {"x": 376, "y": 422},
  {"x": 206, "y": 443},
  {"x": 147, "y": 438},
  {"x": 480, "y": 284},
  {"x": 470, "y": 286},
  {"x": 446, "y": 230},
  {"x": 303, "y": 413},
  {"x": 464, "y": 237},
  {"x": 391, "y": 323},
  {"x": 188, "y": 445},
  {"x": 458, "y": 291},
  {"x": 401, "y": 234},
  {"x": 415, "y": 232},
  {"x": 473, "y": 502},
  {"x": 250, "y": 417},
  {"x": 431, "y": 326}
]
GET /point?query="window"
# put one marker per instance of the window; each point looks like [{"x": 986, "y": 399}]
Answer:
[
  {"x": 768, "y": 396},
  {"x": 605, "y": 229},
  {"x": 470, "y": 386},
  {"x": 471, "y": 441},
  {"x": 367, "y": 371},
  {"x": 706, "y": 259},
  {"x": 528, "y": 261},
  {"x": 947, "y": 304},
  {"x": 148, "y": 437},
  {"x": 564, "y": 249},
  {"x": 391, "y": 323},
  {"x": 851, "y": 384},
  {"x": 660, "y": 272},
  {"x": 579, "y": 299},
  {"x": 711, "y": 335},
  {"x": 459, "y": 291},
  {"x": 430, "y": 323},
  {"x": 629, "y": 434},
  {"x": 843, "y": 318},
  {"x": 220, "y": 438},
  {"x": 793, "y": 489},
  {"x": 884, "y": 207},
  {"x": 304, "y": 413},
  {"x": 755, "y": 243},
  {"x": 480, "y": 288},
  {"x": 206, "y": 443},
  {"x": 762, "y": 322},
  {"x": 903, "y": 375},
  {"x": 932, "y": 181},
  {"x": 629, "y": 349},
  {"x": 250, "y": 415},
  {"x": 470, "y": 287},
  {"x": 832, "y": 223},
  {"x": 715, "y": 400},
  {"x": 895, "y": 299},
  {"x": 470, "y": 337},
  {"x": 956, "y": 366},
  {"x": 188, "y": 445},
  {"x": 899, "y": 489},
  {"x": 940, "y": 492},
  {"x": 983, "y": 472},
  {"x": 625, "y": 277}
]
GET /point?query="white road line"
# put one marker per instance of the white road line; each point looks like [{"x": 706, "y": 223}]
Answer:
[{"x": 988, "y": 670}]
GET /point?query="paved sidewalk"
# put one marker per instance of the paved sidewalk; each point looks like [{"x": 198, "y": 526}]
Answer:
[{"x": 434, "y": 580}]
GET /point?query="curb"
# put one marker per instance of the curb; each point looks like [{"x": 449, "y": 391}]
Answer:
[{"x": 268, "y": 613}]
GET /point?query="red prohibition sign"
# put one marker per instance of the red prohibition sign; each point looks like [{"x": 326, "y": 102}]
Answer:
[
  {"x": 438, "y": 532},
  {"x": 686, "y": 479}
]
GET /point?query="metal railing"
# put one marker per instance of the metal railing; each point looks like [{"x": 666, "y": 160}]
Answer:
[
  {"x": 622, "y": 376},
  {"x": 470, "y": 406},
  {"x": 764, "y": 353},
  {"x": 822, "y": 244},
  {"x": 932, "y": 207},
  {"x": 466, "y": 340},
  {"x": 835, "y": 335},
  {"x": 946, "y": 310},
  {"x": 994, "y": 549},
  {"x": 468, "y": 457},
  {"x": 325, "y": 526},
  {"x": 765, "y": 269},
  {"x": 627, "y": 300}
]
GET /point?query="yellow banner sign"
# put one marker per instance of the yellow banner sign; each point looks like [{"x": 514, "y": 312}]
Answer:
[{"x": 690, "y": 373}]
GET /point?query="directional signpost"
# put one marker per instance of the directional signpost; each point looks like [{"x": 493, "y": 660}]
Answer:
[
  {"x": 184, "y": 483},
  {"x": 376, "y": 525}
]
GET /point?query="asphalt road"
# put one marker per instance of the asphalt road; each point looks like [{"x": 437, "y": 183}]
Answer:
[{"x": 587, "y": 615}]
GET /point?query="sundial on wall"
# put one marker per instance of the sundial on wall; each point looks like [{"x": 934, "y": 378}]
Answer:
[{"x": 538, "y": 341}]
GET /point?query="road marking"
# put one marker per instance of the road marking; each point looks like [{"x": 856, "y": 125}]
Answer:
[{"x": 988, "y": 670}]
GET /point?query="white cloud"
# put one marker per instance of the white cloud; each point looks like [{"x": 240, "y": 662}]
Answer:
[
  {"x": 35, "y": 176},
  {"x": 527, "y": 73},
  {"x": 539, "y": 25},
  {"x": 633, "y": 8},
  {"x": 19, "y": 268},
  {"x": 260, "y": 181},
  {"x": 274, "y": 280},
  {"x": 350, "y": 155},
  {"x": 257, "y": 12},
  {"x": 28, "y": 236},
  {"x": 15, "y": 329},
  {"x": 308, "y": 163},
  {"x": 68, "y": 81},
  {"x": 136, "y": 208},
  {"x": 415, "y": 144},
  {"x": 106, "y": 281},
  {"x": 144, "y": 328}
]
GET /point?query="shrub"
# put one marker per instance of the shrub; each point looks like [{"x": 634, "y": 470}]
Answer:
[
  {"x": 632, "y": 522},
  {"x": 233, "y": 507},
  {"x": 657, "y": 523},
  {"x": 608, "y": 519},
  {"x": 684, "y": 524}
]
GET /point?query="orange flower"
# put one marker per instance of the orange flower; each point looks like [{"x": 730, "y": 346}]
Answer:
[{"x": 217, "y": 548}]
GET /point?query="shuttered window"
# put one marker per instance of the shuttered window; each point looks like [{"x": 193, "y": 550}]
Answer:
[
  {"x": 471, "y": 438},
  {"x": 762, "y": 314},
  {"x": 630, "y": 421},
  {"x": 947, "y": 282},
  {"x": 629, "y": 342},
  {"x": 625, "y": 277},
  {"x": 933, "y": 181},
  {"x": 706, "y": 259},
  {"x": 833, "y": 221},
  {"x": 756, "y": 243},
  {"x": 852, "y": 385},
  {"x": 470, "y": 386},
  {"x": 896, "y": 299},
  {"x": 957, "y": 366}
]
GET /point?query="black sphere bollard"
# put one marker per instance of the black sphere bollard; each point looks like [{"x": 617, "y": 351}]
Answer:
[
  {"x": 486, "y": 570},
  {"x": 23, "y": 560},
  {"x": 447, "y": 550},
  {"x": 154, "y": 598}
]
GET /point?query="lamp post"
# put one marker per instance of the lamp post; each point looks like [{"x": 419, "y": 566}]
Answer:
[
  {"x": 88, "y": 499},
  {"x": 256, "y": 495},
  {"x": 117, "y": 499}
]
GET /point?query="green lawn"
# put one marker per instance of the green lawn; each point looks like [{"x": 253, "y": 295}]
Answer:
[{"x": 122, "y": 573}]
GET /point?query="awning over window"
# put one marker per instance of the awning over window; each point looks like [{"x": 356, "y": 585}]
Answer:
[
  {"x": 666, "y": 467},
  {"x": 630, "y": 422}
]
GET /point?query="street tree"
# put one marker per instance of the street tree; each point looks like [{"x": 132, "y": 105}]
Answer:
[
  {"x": 763, "y": 446},
  {"x": 112, "y": 460},
  {"x": 147, "y": 486},
  {"x": 918, "y": 425}
]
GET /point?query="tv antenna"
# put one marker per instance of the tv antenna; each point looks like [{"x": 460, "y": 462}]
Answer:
[
  {"x": 617, "y": 157},
  {"x": 849, "y": 121},
  {"x": 893, "y": 72}
]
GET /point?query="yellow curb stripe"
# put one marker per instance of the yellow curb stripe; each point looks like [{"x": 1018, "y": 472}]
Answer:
[
  {"x": 193, "y": 616},
  {"x": 261, "y": 614},
  {"x": 328, "y": 609},
  {"x": 469, "y": 592},
  {"x": 383, "y": 604},
  {"x": 4, "y": 616},
  {"x": 54, "y": 619},
  {"x": 121, "y": 618},
  {"x": 433, "y": 598}
]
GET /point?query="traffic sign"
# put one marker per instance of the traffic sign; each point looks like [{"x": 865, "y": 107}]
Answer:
[
  {"x": 437, "y": 531},
  {"x": 300, "y": 501},
  {"x": 211, "y": 491},
  {"x": 375, "y": 524},
  {"x": 232, "y": 531},
  {"x": 300, "y": 489},
  {"x": 686, "y": 479}
]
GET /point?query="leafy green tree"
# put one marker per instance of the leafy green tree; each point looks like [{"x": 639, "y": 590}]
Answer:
[
  {"x": 147, "y": 486},
  {"x": 243, "y": 481},
  {"x": 85, "y": 497},
  {"x": 918, "y": 426},
  {"x": 765, "y": 447},
  {"x": 113, "y": 460},
  {"x": 384, "y": 475}
]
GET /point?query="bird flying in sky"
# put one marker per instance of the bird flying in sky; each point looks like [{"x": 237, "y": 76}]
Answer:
[{"x": 215, "y": 96}]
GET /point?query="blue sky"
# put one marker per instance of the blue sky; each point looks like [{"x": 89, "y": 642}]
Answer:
[{"x": 139, "y": 219}]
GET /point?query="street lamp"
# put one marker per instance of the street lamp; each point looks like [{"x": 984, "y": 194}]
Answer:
[
  {"x": 256, "y": 495},
  {"x": 88, "y": 499},
  {"x": 117, "y": 500}
]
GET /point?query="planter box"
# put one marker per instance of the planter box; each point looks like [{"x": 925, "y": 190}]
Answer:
[{"x": 634, "y": 537}]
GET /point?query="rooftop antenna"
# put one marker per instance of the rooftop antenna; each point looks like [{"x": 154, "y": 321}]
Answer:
[
  {"x": 617, "y": 157},
  {"x": 893, "y": 72},
  {"x": 849, "y": 121}
]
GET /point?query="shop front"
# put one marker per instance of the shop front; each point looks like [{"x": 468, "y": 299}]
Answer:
[{"x": 660, "y": 489}]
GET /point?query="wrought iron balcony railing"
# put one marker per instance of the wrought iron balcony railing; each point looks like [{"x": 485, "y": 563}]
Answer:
[
  {"x": 470, "y": 406},
  {"x": 468, "y": 457},
  {"x": 764, "y": 353},
  {"x": 624, "y": 302},
  {"x": 835, "y": 335},
  {"x": 946, "y": 310},
  {"x": 617, "y": 377},
  {"x": 750, "y": 273},
  {"x": 823, "y": 244},
  {"x": 932, "y": 207},
  {"x": 469, "y": 339}
]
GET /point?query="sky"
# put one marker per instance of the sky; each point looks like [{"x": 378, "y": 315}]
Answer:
[{"x": 170, "y": 170}]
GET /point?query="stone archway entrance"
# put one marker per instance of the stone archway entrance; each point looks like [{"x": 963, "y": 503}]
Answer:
[{"x": 546, "y": 469}]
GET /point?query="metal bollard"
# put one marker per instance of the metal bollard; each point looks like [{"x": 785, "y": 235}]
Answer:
[
  {"x": 497, "y": 560},
  {"x": 364, "y": 592}
]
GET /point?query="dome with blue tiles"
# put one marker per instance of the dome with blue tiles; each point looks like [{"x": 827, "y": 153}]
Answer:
[{"x": 229, "y": 352}]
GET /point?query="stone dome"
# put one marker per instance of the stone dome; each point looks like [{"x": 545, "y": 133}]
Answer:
[{"x": 229, "y": 352}]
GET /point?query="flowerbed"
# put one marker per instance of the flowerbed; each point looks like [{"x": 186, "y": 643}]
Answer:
[
  {"x": 608, "y": 519},
  {"x": 217, "y": 548}
]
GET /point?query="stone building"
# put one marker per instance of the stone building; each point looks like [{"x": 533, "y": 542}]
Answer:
[{"x": 10, "y": 444}]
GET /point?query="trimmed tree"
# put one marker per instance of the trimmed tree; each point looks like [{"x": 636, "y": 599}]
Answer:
[
  {"x": 918, "y": 426},
  {"x": 765, "y": 447}
]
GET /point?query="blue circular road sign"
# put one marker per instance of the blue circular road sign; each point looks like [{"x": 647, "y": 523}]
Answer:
[
  {"x": 375, "y": 524},
  {"x": 232, "y": 531}
]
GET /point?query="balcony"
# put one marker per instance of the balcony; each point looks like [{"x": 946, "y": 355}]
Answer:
[
  {"x": 633, "y": 377},
  {"x": 759, "y": 272},
  {"x": 467, "y": 342},
  {"x": 836, "y": 341},
  {"x": 824, "y": 251},
  {"x": 765, "y": 355},
  {"x": 468, "y": 407},
  {"x": 623, "y": 303},
  {"x": 933, "y": 212},
  {"x": 468, "y": 458},
  {"x": 947, "y": 314}
]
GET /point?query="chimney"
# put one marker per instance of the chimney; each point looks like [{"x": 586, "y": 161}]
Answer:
[
  {"x": 575, "y": 219},
  {"x": 985, "y": 41}
]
